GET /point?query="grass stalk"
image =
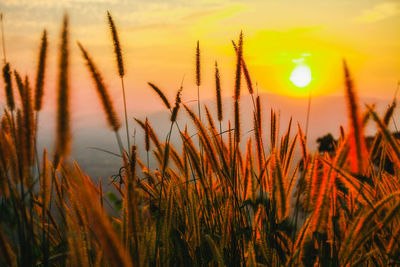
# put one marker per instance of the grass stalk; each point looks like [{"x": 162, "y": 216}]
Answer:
[
  {"x": 3, "y": 42},
  {"x": 125, "y": 113}
]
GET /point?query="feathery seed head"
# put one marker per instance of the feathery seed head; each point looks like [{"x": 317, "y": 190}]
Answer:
[
  {"x": 237, "y": 122},
  {"x": 63, "y": 122},
  {"x": 20, "y": 84},
  {"x": 133, "y": 161},
  {"x": 117, "y": 46},
  {"x": 41, "y": 72},
  {"x": 258, "y": 113},
  {"x": 177, "y": 104},
  {"x": 102, "y": 91},
  {"x": 161, "y": 95},
  {"x": 198, "y": 78},
  {"x": 357, "y": 142},
  {"x": 146, "y": 135},
  {"x": 238, "y": 67},
  {"x": 8, "y": 86},
  {"x": 218, "y": 91}
]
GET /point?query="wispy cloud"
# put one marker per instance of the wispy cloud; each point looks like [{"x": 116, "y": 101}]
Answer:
[
  {"x": 28, "y": 14},
  {"x": 379, "y": 12}
]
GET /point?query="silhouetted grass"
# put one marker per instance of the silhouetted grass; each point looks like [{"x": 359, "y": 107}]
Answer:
[{"x": 202, "y": 204}]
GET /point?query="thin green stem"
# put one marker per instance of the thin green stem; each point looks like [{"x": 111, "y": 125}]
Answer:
[
  {"x": 35, "y": 142},
  {"x": 126, "y": 114},
  {"x": 3, "y": 39},
  {"x": 118, "y": 137}
]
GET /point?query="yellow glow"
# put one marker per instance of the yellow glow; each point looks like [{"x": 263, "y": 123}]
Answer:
[
  {"x": 301, "y": 76},
  {"x": 318, "y": 37}
]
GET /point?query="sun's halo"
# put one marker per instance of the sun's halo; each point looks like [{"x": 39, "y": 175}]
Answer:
[{"x": 301, "y": 76}]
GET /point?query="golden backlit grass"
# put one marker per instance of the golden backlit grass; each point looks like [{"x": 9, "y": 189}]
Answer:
[{"x": 206, "y": 202}]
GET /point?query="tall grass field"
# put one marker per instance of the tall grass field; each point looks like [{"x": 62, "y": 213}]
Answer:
[{"x": 222, "y": 198}]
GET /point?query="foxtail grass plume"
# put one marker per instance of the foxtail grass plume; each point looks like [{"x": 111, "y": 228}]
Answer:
[
  {"x": 357, "y": 142},
  {"x": 198, "y": 83},
  {"x": 161, "y": 95},
  {"x": 238, "y": 67},
  {"x": 63, "y": 117},
  {"x": 28, "y": 119},
  {"x": 237, "y": 122},
  {"x": 389, "y": 113},
  {"x": 152, "y": 136},
  {"x": 121, "y": 71},
  {"x": 102, "y": 91},
  {"x": 378, "y": 139},
  {"x": 8, "y": 86},
  {"x": 258, "y": 113},
  {"x": 146, "y": 135},
  {"x": 198, "y": 77},
  {"x": 273, "y": 129},
  {"x": 218, "y": 91},
  {"x": 258, "y": 133},
  {"x": 41, "y": 72},
  {"x": 178, "y": 101},
  {"x": 247, "y": 77},
  {"x": 117, "y": 46},
  {"x": 245, "y": 71},
  {"x": 20, "y": 84}
]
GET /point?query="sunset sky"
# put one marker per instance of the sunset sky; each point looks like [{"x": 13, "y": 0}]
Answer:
[{"x": 159, "y": 38}]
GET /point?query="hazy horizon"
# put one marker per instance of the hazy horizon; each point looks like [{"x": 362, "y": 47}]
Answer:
[{"x": 91, "y": 130}]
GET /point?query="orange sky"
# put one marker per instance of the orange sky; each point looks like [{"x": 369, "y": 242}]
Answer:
[{"x": 159, "y": 37}]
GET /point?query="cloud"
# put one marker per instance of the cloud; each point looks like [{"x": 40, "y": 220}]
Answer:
[
  {"x": 379, "y": 12},
  {"x": 29, "y": 14}
]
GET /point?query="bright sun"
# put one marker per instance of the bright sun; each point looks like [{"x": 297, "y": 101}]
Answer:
[{"x": 301, "y": 76}]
